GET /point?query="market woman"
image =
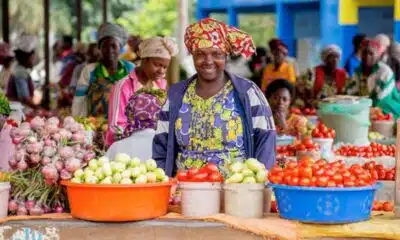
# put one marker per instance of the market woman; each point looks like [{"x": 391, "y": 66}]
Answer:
[
  {"x": 20, "y": 86},
  {"x": 329, "y": 79},
  {"x": 280, "y": 68},
  {"x": 94, "y": 86},
  {"x": 214, "y": 115},
  {"x": 280, "y": 94},
  {"x": 136, "y": 101},
  {"x": 376, "y": 80}
]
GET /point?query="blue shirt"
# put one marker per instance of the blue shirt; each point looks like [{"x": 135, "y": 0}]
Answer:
[{"x": 352, "y": 63}]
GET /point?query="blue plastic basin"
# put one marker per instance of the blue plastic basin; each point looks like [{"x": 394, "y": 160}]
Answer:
[{"x": 325, "y": 205}]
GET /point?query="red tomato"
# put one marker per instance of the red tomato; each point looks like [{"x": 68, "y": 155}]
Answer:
[
  {"x": 374, "y": 174},
  {"x": 328, "y": 135},
  {"x": 291, "y": 164},
  {"x": 381, "y": 174},
  {"x": 306, "y": 161},
  {"x": 182, "y": 176},
  {"x": 275, "y": 179},
  {"x": 388, "y": 207},
  {"x": 346, "y": 174},
  {"x": 389, "y": 176},
  {"x": 337, "y": 178},
  {"x": 215, "y": 177},
  {"x": 318, "y": 135},
  {"x": 360, "y": 183},
  {"x": 321, "y": 162},
  {"x": 305, "y": 172},
  {"x": 349, "y": 183},
  {"x": 192, "y": 171},
  {"x": 294, "y": 181},
  {"x": 305, "y": 182},
  {"x": 211, "y": 168},
  {"x": 199, "y": 177},
  {"x": 313, "y": 182},
  {"x": 276, "y": 169},
  {"x": 331, "y": 183},
  {"x": 322, "y": 181},
  {"x": 319, "y": 172},
  {"x": 379, "y": 206},
  {"x": 287, "y": 179},
  {"x": 274, "y": 207},
  {"x": 323, "y": 128},
  {"x": 295, "y": 172},
  {"x": 329, "y": 173}
]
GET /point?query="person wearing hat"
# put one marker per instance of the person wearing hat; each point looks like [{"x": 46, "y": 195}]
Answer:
[
  {"x": 354, "y": 59},
  {"x": 95, "y": 83},
  {"x": 376, "y": 80},
  {"x": 6, "y": 60},
  {"x": 329, "y": 79},
  {"x": 20, "y": 87},
  {"x": 136, "y": 100},
  {"x": 387, "y": 55},
  {"x": 214, "y": 115},
  {"x": 280, "y": 68}
]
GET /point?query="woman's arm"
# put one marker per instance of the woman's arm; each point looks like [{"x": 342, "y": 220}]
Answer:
[
  {"x": 263, "y": 128},
  {"x": 160, "y": 141}
]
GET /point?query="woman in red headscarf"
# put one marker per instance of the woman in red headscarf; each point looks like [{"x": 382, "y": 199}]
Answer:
[
  {"x": 376, "y": 80},
  {"x": 214, "y": 115}
]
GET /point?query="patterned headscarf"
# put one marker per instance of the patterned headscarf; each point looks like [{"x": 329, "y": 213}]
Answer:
[
  {"x": 330, "y": 49},
  {"x": 112, "y": 30},
  {"x": 211, "y": 33},
  {"x": 276, "y": 44},
  {"x": 5, "y": 50},
  {"x": 162, "y": 47},
  {"x": 376, "y": 47}
]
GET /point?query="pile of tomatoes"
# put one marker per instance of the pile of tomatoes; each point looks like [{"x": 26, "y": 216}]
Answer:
[
  {"x": 373, "y": 150},
  {"x": 376, "y": 114},
  {"x": 379, "y": 171},
  {"x": 306, "y": 111},
  {"x": 320, "y": 174},
  {"x": 383, "y": 206},
  {"x": 207, "y": 173},
  {"x": 286, "y": 150},
  {"x": 307, "y": 144},
  {"x": 322, "y": 131}
]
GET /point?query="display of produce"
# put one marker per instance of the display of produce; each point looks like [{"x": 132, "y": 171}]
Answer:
[
  {"x": 375, "y": 136},
  {"x": 123, "y": 170},
  {"x": 379, "y": 172},
  {"x": 385, "y": 206},
  {"x": 251, "y": 171},
  {"x": 376, "y": 114},
  {"x": 373, "y": 150},
  {"x": 207, "y": 173},
  {"x": 286, "y": 151},
  {"x": 5, "y": 108},
  {"x": 310, "y": 112},
  {"x": 322, "y": 131},
  {"x": 307, "y": 173}
]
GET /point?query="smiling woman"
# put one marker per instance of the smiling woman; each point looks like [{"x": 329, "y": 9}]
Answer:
[{"x": 214, "y": 115}]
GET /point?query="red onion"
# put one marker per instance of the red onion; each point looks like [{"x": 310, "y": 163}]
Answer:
[
  {"x": 65, "y": 134},
  {"x": 59, "y": 209},
  {"x": 72, "y": 164},
  {"x": 20, "y": 154},
  {"x": 50, "y": 181},
  {"x": 57, "y": 137},
  {"x": 46, "y": 209},
  {"x": 47, "y": 142},
  {"x": 80, "y": 154},
  {"x": 66, "y": 152},
  {"x": 69, "y": 120},
  {"x": 37, "y": 123},
  {"x": 17, "y": 140},
  {"x": 15, "y": 132},
  {"x": 31, "y": 139},
  {"x": 53, "y": 121},
  {"x": 65, "y": 175},
  {"x": 79, "y": 137},
  {"x": 49, "y": 151},
  {"x": 25, "y": 125},
  {"x": 13, "y": 163},
  {"x": 36, "y": 210},
  {"x": 12, "y": 206},
  {"x": 52, "y": 128},
  {"x": 22, "y": 210},
  {"x": 45, "y": 160},
  {"x": 22, "y": 165},
  {"x": 29, "y": 204},
  {"x": 35, "y": 158},
  {"x": 59, "y": 165},
  {"x": 89, "y": 156},
  {"x": 50, "y": 172},
  {"x": 77, "y": 147},
  {"x": 25, "y": 132}
]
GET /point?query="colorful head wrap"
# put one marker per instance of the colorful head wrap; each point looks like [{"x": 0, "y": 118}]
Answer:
[
  {"x": 330, "y": 49},
  {"x": 384, "y": 42},
  {"x": 162, "y": 47},
  {"x": 112, "y": 30},
  {"x": 373, "y": 44},
  {"x": 276, "y": 44},
  {"x": 5, "y": 50},
  {"x": 210, "y": 33}
]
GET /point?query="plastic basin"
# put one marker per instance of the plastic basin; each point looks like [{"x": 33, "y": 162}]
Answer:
[
  {"x": 4, "y": 195},
  {"x": 325, "y": 205},
  {"x": 238, "y": 196},
  {"x": 200, "y": 199},
  {"x": 326, "y": 145},
  {"x": 118, "y": 202},
  {"x": 386, "y": 128},
  {"x": 284, "y": 140}
]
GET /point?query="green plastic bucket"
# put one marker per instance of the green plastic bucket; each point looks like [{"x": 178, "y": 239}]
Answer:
[{"x": 349, "y": 119}]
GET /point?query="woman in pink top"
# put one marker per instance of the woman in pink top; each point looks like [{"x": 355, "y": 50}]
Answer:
[{"x": 136, "y": 99}]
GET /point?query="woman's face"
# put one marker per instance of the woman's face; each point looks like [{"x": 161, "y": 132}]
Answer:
[
  {"x": 279, "y": 55},
  {"x": 332, "y": 60},
  {"x": 209, "y": 63},
  {"x": 280, "y": 100},
  {"x": 110, "y": 49},
  {"x": 155, "y": 68},
  {"x": 30, "y": 62},
  {"x": 368, "y": 57}
]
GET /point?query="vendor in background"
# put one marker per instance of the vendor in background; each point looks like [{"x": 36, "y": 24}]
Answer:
[
  {"x": 92, "y": 55},
  {"x": 214, "y": 115},
  {"x": 280, "y": 68},
  {"x": 280, "y": 95},
  {"x": 20, "y": 87},
  {"x": 7, "y": 57},
  {"x": 95, "y": 83},
  {"x": 354, "y": 60},
  {"x": 376, "y": 80},
  {"x": 329, "y": 79},
  {"x": 387, "y": 55},
  {"x": 257, "y": 64},
  {"x": 135, "y": 101}
]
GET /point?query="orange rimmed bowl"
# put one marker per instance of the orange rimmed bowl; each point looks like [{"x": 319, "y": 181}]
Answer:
[{"x": 118, "y": 202}]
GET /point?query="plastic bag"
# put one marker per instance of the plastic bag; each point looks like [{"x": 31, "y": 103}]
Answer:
[{"x": 139, "y": 144}]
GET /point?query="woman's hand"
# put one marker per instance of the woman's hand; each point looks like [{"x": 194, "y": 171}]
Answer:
[{"x": 280, "y": 120}]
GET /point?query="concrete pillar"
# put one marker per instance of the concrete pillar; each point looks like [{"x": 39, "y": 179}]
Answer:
[
  {"x": 233, "y": 19},
  {"x": 285, "y": 27}
]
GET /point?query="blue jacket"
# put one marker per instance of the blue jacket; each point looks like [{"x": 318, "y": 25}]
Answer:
[{"x": 259, "y": 127}]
